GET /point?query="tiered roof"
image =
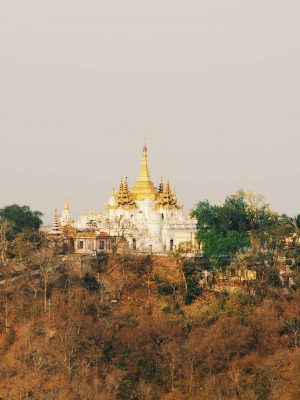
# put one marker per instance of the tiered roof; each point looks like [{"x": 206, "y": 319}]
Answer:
[
  {"x": 167, "y": 198},
  {"x": 124, "y": 197}
]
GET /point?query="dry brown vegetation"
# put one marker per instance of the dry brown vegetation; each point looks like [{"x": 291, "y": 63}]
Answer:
[{"x": 121, "y": 330}]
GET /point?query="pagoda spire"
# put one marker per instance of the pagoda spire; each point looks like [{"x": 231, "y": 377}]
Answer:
[
  {"x": 144, "y": 187},
  {"x": 55, "y": 219},
  {"x": 168, "y": 189},
  {"x": 121, "y": 185},
  {"x": 66, "y": 205},
  {"x": 55, "y": 227},
  {"x": 125, "y": 185},
  {"x": 161, "y": 186},
  {"x": 66, "y": 214},
  {"x": 144, "y": 171}
]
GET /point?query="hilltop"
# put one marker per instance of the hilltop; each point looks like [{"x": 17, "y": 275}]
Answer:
[{"x": 123, "y": 328}]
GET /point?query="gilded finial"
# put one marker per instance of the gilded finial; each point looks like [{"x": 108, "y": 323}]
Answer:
[{"x": 145, "y": 144}]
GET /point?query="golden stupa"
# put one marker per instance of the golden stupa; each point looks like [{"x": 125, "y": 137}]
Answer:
[
  {"x": 66, "y": 205},
  {"x": 144, "y": 187}
]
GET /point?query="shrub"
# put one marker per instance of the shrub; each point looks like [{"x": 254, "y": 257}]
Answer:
[
  {"x": 165, "y": 289},
  {"x": 90, "y": 283},
  {"x": 193, "y": 291}
]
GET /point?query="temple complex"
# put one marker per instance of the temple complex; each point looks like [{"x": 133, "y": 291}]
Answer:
[{"x": 149, "y": 217}]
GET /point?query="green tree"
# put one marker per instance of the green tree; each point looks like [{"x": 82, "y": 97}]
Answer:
[
  {"x": 244, "y": 221},
  {"x": 222, "y": 229},
  {"x": 21, "y": 217}
]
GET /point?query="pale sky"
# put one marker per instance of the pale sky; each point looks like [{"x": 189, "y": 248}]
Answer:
[{"x": 214, "y": 85}]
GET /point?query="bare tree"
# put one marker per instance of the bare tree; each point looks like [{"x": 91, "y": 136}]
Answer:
[
  {"x": 124, "y": 231},
  {"x": 179, "y": 256},
  {"x": 47, "y": 262}
]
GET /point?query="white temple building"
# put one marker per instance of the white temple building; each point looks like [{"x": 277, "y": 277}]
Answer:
[{"x": 149, "y": 218}]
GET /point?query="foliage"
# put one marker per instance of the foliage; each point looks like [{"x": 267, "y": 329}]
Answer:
[
  {"x": 192, "y": 272},
  {"x": 244, "y": 220},
  {"x": 165, "y": 289},
  {"x": 90, "y": 283},
  {"x": 220, "y": 248},
  {"x": 193, "y": 291},
  {"x": 21, "y": 217}
]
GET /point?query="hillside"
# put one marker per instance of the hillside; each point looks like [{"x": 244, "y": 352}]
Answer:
[{"x": 121, "y": 329}]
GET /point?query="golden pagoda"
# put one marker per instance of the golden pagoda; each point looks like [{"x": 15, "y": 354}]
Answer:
[
  {"x": 150, "y": 216},
  {"x": 144, "y": 187}
]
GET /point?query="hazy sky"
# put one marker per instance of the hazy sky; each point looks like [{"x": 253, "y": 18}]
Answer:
[{"x": 213, "y": 84}]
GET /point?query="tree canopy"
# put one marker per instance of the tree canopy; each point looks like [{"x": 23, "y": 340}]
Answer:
[
  {"x": 230, "y": 227},
  {"x": 21, "y": 217}
]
